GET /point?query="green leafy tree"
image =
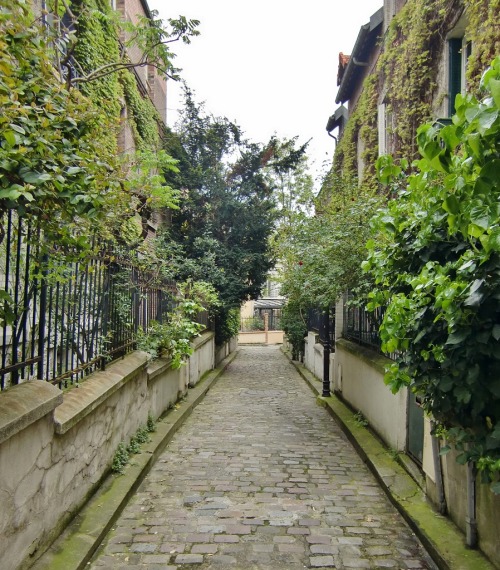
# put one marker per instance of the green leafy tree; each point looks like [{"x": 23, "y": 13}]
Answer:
[
  {"x": 435, "y": 260},
  {"x": 228, "y": 210}
]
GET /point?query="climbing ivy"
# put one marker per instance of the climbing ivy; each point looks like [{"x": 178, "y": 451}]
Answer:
[
  {"x": 98, "y": 44},
  {"x": 483, "y": 31},
  {"x": 363, "y": 121},
  {"x": 435, "y": 259},
  {"x": 142, "y": 117},
  {"x": 409, "y": 66},
  {"x": 408, "y": 69}
]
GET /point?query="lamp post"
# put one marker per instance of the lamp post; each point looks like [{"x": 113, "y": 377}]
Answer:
[{"x": 326, "y": 354}]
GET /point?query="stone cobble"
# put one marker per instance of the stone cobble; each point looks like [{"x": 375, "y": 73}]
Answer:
[{"x": 260, "y": 477}]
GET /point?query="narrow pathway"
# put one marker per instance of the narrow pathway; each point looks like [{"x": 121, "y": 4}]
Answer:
[{"x": 260, "y": 477}]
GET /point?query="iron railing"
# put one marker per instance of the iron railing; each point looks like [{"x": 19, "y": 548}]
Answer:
[
  {"x": 62, "y": 320},
  {"x": 316, "y": 323},
  {"x": 362, "y": 326}
]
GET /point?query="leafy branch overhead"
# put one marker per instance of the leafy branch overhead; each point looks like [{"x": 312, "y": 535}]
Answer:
[
  {"x": 143, "y": 42},
  {"x": 435, "y": 260}
]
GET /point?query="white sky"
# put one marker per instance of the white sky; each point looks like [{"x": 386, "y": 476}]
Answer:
[{"x": 268, "y": 65}]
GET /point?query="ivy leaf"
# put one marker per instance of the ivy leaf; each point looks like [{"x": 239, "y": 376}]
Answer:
[
  {"x": 475, "y": 297},
  {"x": 445, "y": 450},
  {"x": 17, "y": 128},
  {"x": 463, "y": 394},
  {"x": 35, "y": 177},
  {"x": 474, "y": 141},
  {"x": 10, "y": 137},
  {"x": 495, "y": 90},
  {"x": 74, "y": 170},
  {"x": 451, "y": 204},
  {"x": 480, "y": 217},
  {"x": 494, "y": 241},
  {"x": 458, "y": 336}
]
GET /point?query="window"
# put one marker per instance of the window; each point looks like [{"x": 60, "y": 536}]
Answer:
[{"x": 385, "y": 128}]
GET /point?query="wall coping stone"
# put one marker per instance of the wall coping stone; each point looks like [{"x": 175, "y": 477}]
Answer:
[
  {"x": 24, "y": 404},
  {"x": 205, "y": 337},
  {"x": 377, "y": 361},
  {"x": 80, "y": 402}
]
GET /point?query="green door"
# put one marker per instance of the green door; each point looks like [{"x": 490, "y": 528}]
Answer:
[{"x": 415, "y": 442}]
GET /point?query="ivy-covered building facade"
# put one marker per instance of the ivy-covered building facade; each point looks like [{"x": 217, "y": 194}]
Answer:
[{"x": 407, "y": 66}]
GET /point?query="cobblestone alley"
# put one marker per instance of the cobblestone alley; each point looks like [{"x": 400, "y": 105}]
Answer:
[{"x": 260, "y": 477}]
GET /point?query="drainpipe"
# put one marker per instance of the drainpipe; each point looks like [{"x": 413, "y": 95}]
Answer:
[
  {"x": 360, "y": 63},
  {"x": 438, "y": 471},
  {"x": 471, "y": 536}
]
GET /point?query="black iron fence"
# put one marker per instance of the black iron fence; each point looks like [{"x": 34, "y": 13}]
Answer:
[
  {"x": 362, "y": 326},
  {"x": 62, "y": 320},
  {"x": 316, "y": 323}
]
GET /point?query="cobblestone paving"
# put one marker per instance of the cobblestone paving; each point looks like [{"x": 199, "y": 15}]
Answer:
[{"x": 260, "y": 477}]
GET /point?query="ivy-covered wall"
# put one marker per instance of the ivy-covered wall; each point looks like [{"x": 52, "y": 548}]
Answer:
[
  {"x": 407, "y": 76},
  {"x": 98, "y": 44}
]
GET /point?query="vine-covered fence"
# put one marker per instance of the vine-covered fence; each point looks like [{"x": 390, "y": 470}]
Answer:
[{"x": 62, "y": 320}]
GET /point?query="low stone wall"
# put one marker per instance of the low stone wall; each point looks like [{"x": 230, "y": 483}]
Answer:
[
  {"x": 358, "y": 377},
  {"x": 56, "y": 448},
  {"x": 225, "y": 350},
  {"x": 261, "y": 337},
  {"x": 313, "y": 357}
]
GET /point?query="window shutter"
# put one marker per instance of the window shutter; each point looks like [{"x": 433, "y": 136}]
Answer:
[
  {"x": 382, "y": 147},
  {"x": 455, "y": 72}
]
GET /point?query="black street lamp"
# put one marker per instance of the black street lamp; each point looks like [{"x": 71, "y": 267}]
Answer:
[{"x": 326, "y": 353}]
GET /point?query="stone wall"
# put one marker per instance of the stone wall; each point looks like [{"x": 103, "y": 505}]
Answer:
[
  {"x": 358, "y": 376},
  {"x": 56, "y": 448}
]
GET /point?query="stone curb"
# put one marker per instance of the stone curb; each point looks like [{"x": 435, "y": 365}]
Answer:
[
  {"x": 76, "y": 546},
  {"x": 442, "y": 539}
]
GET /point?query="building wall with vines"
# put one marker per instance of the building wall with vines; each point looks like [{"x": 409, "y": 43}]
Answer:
[{"x": 411, "y": 78}]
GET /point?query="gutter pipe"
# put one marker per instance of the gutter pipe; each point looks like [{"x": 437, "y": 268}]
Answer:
[
  {"x": 438, "y": 470},
  {"x": 471, "y": 534}
]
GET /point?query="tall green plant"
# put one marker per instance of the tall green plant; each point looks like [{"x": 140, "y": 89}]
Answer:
[{"x": 436, "y": 263}]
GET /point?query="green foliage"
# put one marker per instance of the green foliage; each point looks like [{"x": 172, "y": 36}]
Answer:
[
  {"x": 482, "y": 31},
  {"x": 294, "y": 325},
  {"x": 415, "y": 41},
  {"x": 435, "y": 260},
  {"x": 120, "y": 459},
  {"x": 147, "y": 180},
  {"x": 229, "y": 209},
  {"x": 134, "y": 446},
  {"x": 360, "y": 419},
  {"x": 363, "y": 123},
  {"x": 142, "y": 116},
  {"x": 48, "y": 147},
  {"x": 95, "y": 44},
  {"x": 142, "y": 435},
  {"x": 151, "y": 424},
  {"x": 408, "y": 69},
  {"x": 173, "y": 338},
  {"x": 321, "y": 256}
]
